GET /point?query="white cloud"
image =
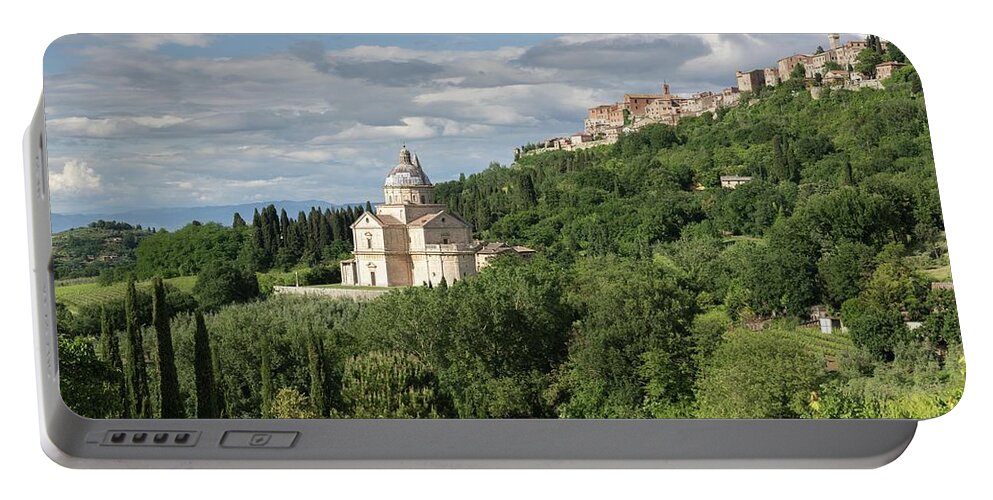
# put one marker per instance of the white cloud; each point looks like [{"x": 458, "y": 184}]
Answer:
[
  {"x": 75, "y": 177},
  {"x": 256, "y": 183},
  {"x": 154, "y": 41},
  {"x": 412, "y": 128},
  {"x": 81, "y": 126}
]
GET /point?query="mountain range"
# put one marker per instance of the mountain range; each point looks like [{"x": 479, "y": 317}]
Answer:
[{"x": 177, "y": 217}]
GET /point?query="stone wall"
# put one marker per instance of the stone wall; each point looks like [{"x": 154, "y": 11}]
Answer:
[{"x": 331, "y": 293}]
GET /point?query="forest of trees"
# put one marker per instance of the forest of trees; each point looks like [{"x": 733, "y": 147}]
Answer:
[
  {"x": 272, "y": 240},
  {"x": 641, "y": 301}
]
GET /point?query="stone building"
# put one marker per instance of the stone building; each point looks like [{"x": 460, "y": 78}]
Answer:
[
  {"x": 410, "y": 240},
  {"x": 490, "y": 251},
  {"x": 666, "y": 108},
  {"x": 844, "y": 55},
  {"x": 635, "y": 104},
  {"x": 733, "y": 181},
  {"x": 770, "y": 76},
  {"x": 886, "y": 69},
  {"x": 835, "y": 77},
  {"x": 750, "y": 81},
  {"x": 602, "y": 117}
]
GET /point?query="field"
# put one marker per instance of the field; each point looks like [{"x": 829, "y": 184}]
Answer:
[
  {"x": 828, "y": 345},
  {"x": 79, "y": 292},
  {"x": 77, "y": 295},
  {"x": 942, "y": 273}
]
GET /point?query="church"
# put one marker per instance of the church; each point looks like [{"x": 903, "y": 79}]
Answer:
[{"x": 412, "y": 241}]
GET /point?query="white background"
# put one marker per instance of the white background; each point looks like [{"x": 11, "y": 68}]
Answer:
[{"x": 948, "y": 42}]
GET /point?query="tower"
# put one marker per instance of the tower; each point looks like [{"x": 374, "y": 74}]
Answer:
[
  {"x": 407, "y": 184},
  {"x": 834, "y": 40}
]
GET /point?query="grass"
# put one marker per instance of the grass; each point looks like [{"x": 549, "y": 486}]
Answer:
[
  {"x": 79, "y": 295},
  {"x": 942, "y": 273}
]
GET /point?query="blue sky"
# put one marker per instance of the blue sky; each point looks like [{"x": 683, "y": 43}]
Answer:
[{"x": 143, "y": 121}]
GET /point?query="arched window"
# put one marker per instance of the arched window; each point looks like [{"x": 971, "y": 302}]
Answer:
[{"x": 368, "y": 240}]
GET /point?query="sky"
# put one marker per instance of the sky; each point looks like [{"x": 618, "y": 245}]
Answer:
[{"x": 151, "y": 121}]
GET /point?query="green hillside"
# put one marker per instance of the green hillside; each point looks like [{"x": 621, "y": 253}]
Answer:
[{"x": 97, "y": 248}]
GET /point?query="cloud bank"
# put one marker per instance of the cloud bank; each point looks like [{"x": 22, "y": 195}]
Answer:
[{"x": 143, "y": 118}]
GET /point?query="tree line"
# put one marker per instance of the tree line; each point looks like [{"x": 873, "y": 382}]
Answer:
[{"x": 272, "y": 240}]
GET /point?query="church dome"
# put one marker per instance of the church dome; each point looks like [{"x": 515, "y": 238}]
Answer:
[{"x": 408, "y": 172}]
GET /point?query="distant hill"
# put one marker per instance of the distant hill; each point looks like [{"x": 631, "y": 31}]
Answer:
[
  {"x": 175, "y": 218},
  {"x": 86, "y": 251}
]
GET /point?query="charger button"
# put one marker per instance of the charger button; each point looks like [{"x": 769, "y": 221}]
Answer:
[{"x": 258, "y": 439}]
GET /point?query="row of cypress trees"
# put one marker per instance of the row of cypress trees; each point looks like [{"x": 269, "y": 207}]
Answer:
[
  {"x": 130, "y": 360},
  {"x": 283, "y": 241}
]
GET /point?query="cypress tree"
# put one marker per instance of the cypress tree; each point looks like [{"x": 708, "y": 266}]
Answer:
[
  {"x": 111, "y": 352},
  {"x": 238, "y": 222},
  {"x": 779, "y": 162},
  {"x": 220, "y": 388},
  {"x": 304, "y": 230},
  {"x": 136, "y": 374},
  {"x": 335, "y": 227},
  {"x": 315, "y": 358},
  {"x": 284, "y": 227},
  {"x": 108, "y": 342},
  {"x": 265, "y": 373},
  {"x": 170, "y": 404},
  {"x": 324, "y": 233},
  {"x": 259, "y": 242},
  {"x": 846, "y": 175},
  {"x": 530, "y": 197},
  {"x": 792, "y": 165},
  {"x": 368, "y": 207},
  {"x": 203, "y": 371}
]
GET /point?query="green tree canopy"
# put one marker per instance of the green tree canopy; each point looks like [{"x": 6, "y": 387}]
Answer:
[{"x": 757, "y": 375}]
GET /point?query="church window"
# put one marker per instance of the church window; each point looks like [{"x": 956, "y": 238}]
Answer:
[
  {"x": 422, "y": 199},
  {"x": 444, "y": 241}
]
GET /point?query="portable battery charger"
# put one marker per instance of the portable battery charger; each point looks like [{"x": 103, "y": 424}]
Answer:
[{"x": 486, "y": 251}]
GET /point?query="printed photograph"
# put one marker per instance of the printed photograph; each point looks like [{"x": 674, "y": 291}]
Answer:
[{"x": 497, "y": 226}]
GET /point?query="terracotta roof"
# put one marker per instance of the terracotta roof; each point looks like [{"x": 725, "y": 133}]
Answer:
[
  {"x": 424, "y": 219},
  {"x": 495, "y": 247},
  {"x": 389, "y": 220}
]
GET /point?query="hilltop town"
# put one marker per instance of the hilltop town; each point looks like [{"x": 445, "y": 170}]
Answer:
[{"x": 839, "y": 66}]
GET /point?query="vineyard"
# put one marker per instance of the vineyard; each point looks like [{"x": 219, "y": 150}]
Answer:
[
  {"x": 82, "y": 294},
  {"x": 828, "y": 345}
]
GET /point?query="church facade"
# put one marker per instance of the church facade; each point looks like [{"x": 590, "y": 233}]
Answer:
[{"x": 409, "y": 240}]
